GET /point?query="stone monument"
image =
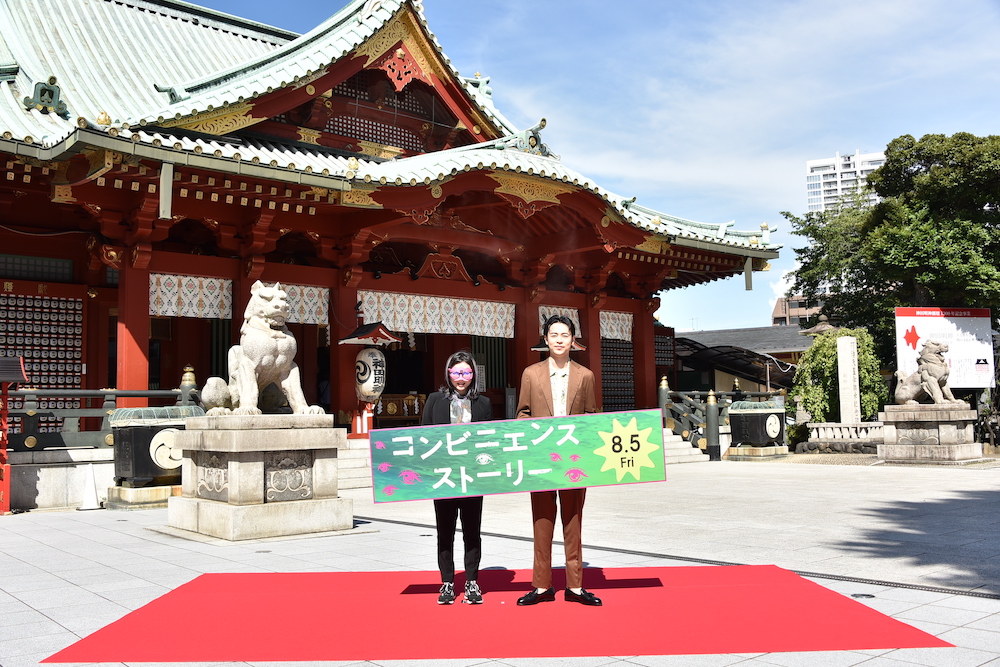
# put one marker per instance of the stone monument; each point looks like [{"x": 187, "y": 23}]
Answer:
[
  {"x": 848, "y": 381},
  {"x": 928, "y": 424},
  {"x": 248, "y": 475}
]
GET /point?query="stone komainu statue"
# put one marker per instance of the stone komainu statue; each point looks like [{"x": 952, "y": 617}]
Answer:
[
  {"x": 930, "y": 381},
  {"x": 265, "y": 356}
]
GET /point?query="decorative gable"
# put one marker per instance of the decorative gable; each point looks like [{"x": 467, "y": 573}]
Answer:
[{"x": 392, "y": 95}]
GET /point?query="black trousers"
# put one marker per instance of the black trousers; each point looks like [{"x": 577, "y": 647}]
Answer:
[{"x": 446, "y": 513}]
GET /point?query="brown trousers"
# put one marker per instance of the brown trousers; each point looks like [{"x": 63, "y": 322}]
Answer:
[{"x": 543, "y": 512}]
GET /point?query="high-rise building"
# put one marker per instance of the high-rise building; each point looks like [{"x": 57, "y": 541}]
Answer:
[{"x": 830, "y": 180}]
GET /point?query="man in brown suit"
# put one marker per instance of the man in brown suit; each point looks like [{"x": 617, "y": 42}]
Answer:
[{"x": 557, "y": 387}]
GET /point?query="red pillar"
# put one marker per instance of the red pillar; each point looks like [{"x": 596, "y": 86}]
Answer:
[
  {"x": 526, "y": 334},
  {"x": 343, "y": 320},
  {"x": 133, "y": 332},
  {"x": 590, "y": 333},
  {"x": 307, "y": 369},
  {"x": 643, "y": 356}
]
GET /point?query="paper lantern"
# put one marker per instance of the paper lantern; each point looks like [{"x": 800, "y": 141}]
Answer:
[{"x": 369, "y": 369}]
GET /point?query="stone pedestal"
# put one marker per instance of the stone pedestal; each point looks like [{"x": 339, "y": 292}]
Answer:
[
  {"x": 932, "y": 433},
  {"x": 248, "y": 477},
  {"x": 756, "y": 453},
  {"x": 143, "y": 498}
]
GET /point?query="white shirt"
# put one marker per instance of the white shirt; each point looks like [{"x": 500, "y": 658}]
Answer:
[
  {"x": 559, "y": 379},
  {"x": 461, "y": 410}
]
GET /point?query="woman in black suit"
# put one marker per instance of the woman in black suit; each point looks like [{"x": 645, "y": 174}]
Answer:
[{"x": 458, "y": 401}]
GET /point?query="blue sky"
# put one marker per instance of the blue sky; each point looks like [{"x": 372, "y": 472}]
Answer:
[{"x": 708, "y": 110}]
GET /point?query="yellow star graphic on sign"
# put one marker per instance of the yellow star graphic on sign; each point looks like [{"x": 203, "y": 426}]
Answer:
[{"x": 626, "y": 449}]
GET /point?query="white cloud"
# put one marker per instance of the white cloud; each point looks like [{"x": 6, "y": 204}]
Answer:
[
  {"x": 708, "y": 110},
  {"x": 781, "y": 285}
]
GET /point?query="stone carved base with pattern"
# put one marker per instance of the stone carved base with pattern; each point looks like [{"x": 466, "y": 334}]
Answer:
[
  {"x": 252, "y": 476},
  {"x": 929, "y": 433}
]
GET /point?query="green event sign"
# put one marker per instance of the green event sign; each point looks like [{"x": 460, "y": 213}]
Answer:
[{"x": 482, "y": 458}]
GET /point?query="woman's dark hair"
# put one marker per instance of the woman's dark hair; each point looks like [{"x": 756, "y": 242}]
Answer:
[
  {"x": 556, "y": 319},
  {"x": 454, "y": 359}
]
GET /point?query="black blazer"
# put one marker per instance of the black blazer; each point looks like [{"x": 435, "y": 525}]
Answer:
[{"x": 437, "y": 409}]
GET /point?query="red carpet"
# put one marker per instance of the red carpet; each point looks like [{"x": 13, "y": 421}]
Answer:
[{"x": 394, "y": 615}]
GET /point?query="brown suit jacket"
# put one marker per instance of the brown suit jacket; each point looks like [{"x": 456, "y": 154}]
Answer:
[{"x": 535, "y": 397}]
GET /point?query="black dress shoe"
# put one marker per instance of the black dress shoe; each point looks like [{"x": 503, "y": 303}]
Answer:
[
  {"x": 534, "y": 597},
  {"x": 585, "y": 597}
]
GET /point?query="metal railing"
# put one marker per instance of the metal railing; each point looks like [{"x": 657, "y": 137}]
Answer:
[
  {"x": 34, "y": 407},
  {"x": 696, "y": 415}
]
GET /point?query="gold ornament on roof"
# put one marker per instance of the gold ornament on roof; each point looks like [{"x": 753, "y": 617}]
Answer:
[
  {"x": 103, "y": 118},
  {"x": 403, "y": 29},
  {"x": 218, "y": 121},
  {"x": 530, "y": 189}
]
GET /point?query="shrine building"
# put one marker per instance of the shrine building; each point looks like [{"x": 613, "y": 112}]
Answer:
[{"x": 157, "y": 158}]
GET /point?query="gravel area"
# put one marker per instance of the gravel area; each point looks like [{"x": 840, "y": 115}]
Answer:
[
  {"x": 832, "y": 459},
  {"x": 872, "y": 459}
]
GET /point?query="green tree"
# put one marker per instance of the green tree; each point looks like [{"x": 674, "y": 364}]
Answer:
[
  {"x": 817, "y": 379},
  {"x": 933, "y": 239}
]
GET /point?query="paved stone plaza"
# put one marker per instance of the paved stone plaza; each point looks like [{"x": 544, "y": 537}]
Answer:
[{"x": 914, "y": 537}]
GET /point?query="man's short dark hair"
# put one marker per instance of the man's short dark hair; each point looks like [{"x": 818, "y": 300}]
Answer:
[{"x": 558, "y": 319}]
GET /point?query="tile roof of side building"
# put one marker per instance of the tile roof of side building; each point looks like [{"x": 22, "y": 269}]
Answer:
[
  {"x": 768, "y": 340},
  {"x": 248, "y": 60}
]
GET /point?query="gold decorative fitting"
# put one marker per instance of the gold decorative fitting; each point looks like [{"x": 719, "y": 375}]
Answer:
[
  {"x": 219, "y": 121},
  {"x": 359, "y": 198},
  {"x": 529, "y": 189},
  {"x": 379, "y": 150},
  {"x": 309, "y": 136},
  {"x": 103, "y": 118},
  {"x": 30, "y": 441},
  {"x": 109, "y": 439}
]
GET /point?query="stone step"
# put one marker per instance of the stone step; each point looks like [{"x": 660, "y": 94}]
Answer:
[
  {"x": 355, "y": 483},
  {"x": 353, "y": 464},
  {"x": 678, "y": 450},
  {"x": 694, "y": 456}
]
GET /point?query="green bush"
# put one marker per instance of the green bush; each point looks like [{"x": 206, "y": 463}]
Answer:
[{"x": 817, "y": 382}]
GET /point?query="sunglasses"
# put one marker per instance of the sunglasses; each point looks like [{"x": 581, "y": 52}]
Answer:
[{"x": 465, "y": 375}]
